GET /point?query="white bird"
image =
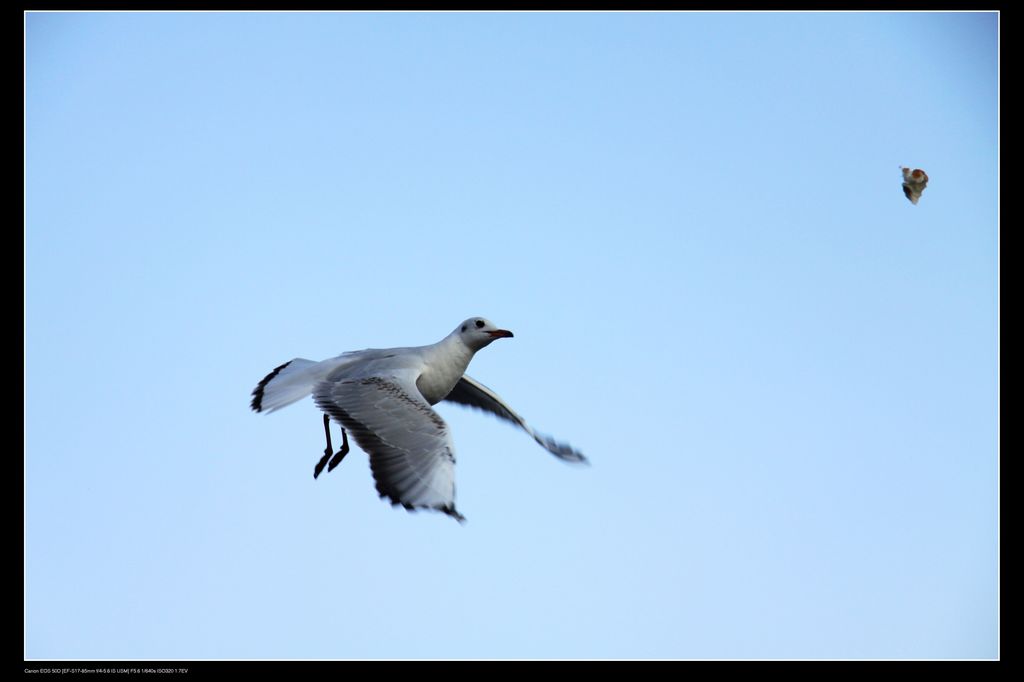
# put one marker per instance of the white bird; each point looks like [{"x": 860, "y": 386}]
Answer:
[{"x": 384, "y": 397}]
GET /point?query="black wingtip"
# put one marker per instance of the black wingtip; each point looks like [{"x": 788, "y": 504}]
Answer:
[
  {"x": 562, "y": 451},
  {"x": 450, "y": 511},
  {"x": 573, "y": 456},
  {"x": 412, "y": 508},
  {"x": 257, "y": 393}
]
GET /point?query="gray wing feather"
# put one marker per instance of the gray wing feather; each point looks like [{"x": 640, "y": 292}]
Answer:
[
  {"x": 411, "y": 451},
  {"x": 472, "y": 393}
]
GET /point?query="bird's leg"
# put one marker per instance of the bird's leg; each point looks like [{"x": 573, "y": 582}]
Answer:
[
  {"x": 328, "y": 450},
  {"x": 341, "y": 453}
]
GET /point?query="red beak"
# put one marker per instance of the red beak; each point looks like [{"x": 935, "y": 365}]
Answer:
[{"x": 501, "y": 334}]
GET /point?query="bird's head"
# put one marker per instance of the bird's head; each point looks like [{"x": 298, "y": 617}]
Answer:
[{"x": 477, "y": 332}]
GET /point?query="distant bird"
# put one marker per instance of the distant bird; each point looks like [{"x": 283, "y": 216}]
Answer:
[
  {"x": 914, "y": 182},
  {"x": 384, "y": 397}
]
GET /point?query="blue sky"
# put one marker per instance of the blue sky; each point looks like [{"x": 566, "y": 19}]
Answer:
[{"x": 784, "y": 374}]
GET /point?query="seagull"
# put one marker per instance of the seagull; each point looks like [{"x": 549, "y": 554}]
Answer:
[
  {"x": 914, "y": 182},
  {"x": 384, "y": 397}
]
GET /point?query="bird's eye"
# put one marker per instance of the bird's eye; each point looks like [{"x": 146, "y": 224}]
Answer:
[{"x": 479, "y": 324}]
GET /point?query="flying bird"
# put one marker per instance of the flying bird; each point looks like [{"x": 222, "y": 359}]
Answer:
[
  {"x": 384, "y": 397},
  {"x": 914, "y": 182}
]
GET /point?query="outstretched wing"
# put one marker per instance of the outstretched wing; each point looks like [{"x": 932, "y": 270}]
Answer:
[
  {"x": 474, "y": 394},
  {"x": 411, "y": 451}
]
